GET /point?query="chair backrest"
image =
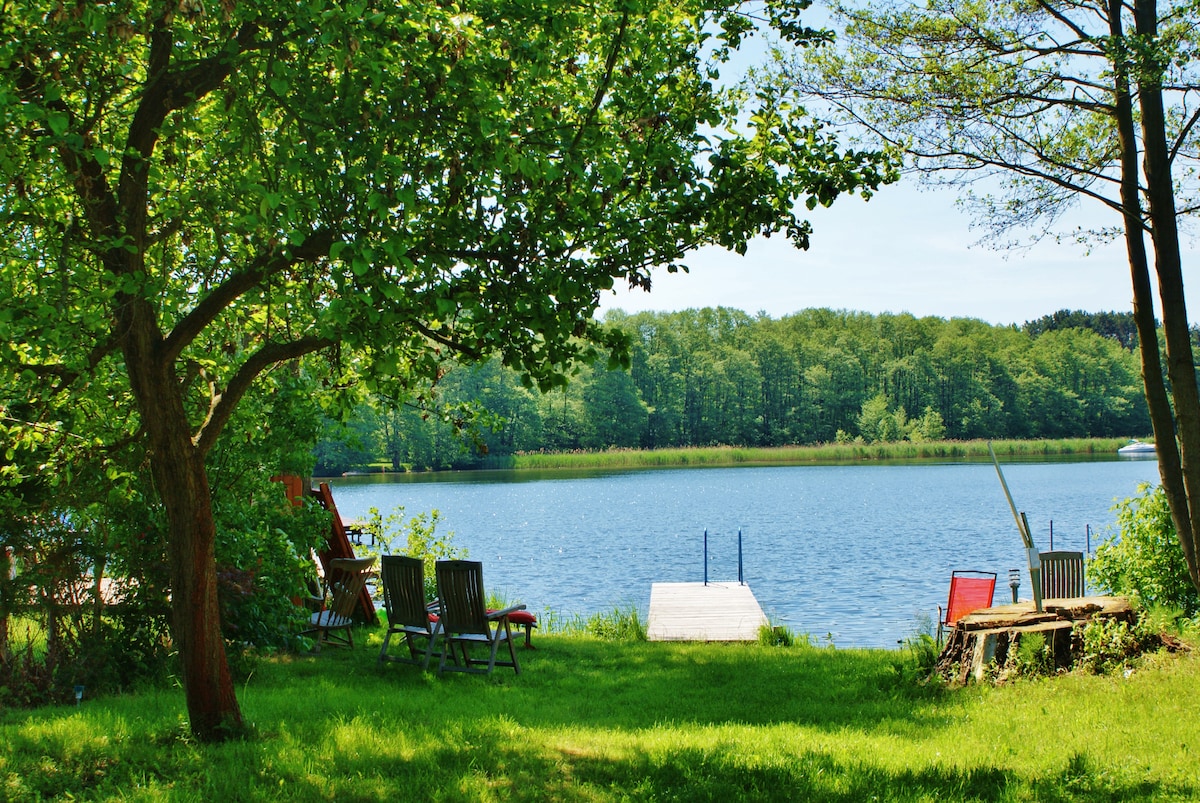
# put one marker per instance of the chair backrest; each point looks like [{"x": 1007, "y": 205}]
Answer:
[
  {"x": 403, "y": 579},
  {"x": 1062, "y": 575},
  {"x": 347, "y": 577},
  {"x": 969, "y": 591},
  {"x": 460, "y": 593}
]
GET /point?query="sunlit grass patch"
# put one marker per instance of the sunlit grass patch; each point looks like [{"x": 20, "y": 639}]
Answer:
[{"x": 597, "y": 720}]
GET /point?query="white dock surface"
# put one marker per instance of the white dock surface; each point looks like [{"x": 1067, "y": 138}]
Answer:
[{"x": 699, "y": 612}]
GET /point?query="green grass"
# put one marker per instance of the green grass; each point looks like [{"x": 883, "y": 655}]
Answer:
[
  {"x": 593, "y": 720},
  {"x": 797, "y": 455}
]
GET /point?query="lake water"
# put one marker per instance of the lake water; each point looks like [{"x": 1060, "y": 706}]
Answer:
[{"x": 858, "y": 554}]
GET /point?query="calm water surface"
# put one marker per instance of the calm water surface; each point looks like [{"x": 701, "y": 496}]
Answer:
[{"x": 856, "y": 553}]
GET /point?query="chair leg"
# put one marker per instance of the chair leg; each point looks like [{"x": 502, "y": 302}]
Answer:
[
  {"x": 383, "y": 652},
  {"x": 512, "y": 648}
]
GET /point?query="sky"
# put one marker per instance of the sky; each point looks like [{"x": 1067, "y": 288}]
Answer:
[{"x": 908, "y": 249}]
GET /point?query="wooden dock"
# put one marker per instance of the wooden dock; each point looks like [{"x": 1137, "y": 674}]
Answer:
[{"x": 699, "y": 612}]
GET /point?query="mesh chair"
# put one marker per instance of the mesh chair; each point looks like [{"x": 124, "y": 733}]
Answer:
[{"x": 969, "y": 591}]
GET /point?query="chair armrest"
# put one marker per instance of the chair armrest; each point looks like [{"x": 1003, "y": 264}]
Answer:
[{"x": 493, "y": 615}]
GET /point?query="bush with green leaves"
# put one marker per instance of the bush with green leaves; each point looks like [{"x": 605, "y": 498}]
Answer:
[
  {"x": 1108, "y": 644},
  {"x": 1144, "y": 559},
  {"x": 1031, "y": 656},
  {"x": 264, "y": 565},
  {"x": 420, "y": 539}
]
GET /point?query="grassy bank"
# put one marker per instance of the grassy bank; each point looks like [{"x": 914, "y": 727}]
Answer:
[
  {"x": 797, "y": 455},
  {"x": 589, "y": 720}
]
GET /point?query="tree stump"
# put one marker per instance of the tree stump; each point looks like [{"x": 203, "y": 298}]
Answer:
[{"x": 987, "y": 638}]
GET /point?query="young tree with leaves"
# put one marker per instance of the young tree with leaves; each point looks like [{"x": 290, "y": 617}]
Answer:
[
  {"x": 1060, "y": 103},
  {"x": 196, "y": 194}
]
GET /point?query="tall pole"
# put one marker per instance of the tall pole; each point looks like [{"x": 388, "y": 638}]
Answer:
[{"x": 1035, "y": 561}]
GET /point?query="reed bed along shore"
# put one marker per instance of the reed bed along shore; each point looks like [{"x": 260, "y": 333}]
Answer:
[{"x": 800, "y": 455}]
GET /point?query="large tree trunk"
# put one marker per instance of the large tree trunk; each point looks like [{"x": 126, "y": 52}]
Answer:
[
  {"x": 179, "y": 473},
  {"x": 1181, "y": 464}
]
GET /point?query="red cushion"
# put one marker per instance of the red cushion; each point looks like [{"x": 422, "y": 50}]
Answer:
[
  {"x": 519, "y": 617},
  {"x": 516, "y": 617}
]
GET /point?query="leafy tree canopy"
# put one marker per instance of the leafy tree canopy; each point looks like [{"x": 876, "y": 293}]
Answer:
[{"x": 195, "y": 194}]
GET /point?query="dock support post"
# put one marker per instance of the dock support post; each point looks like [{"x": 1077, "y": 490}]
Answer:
[{"x": 706, "y": 557}]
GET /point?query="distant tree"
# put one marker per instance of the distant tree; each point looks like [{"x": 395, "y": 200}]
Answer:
[
  {"x": 929, "y": 427},
  {"x": 879, "y": 422},
  {"x": 613, "y": 413},
  {"x": 1119, "y": 326}
]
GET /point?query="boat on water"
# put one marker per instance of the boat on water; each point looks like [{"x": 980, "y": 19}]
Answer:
[{"x": 1136, "y": 447}]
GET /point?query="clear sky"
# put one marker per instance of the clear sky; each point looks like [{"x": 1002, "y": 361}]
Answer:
[{"x": 908, "y": 249}]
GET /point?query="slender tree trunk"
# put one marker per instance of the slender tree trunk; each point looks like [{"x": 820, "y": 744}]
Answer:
[
  {"x": 1159, "y": 403},
  {"x": 179, "y": 472},
  {"x": 1181, "y": 371}
]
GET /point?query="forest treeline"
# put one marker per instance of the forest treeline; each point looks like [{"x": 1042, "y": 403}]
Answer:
[{"x": 721, "y": 376}]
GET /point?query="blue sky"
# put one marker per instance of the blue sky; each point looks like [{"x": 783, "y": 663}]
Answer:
[{"x": 908, "y": 249}]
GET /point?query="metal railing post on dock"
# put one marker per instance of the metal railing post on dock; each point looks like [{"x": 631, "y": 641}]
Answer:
[
  {"x": 740, "y": 581},
  {"x": 706, "y": 557}
]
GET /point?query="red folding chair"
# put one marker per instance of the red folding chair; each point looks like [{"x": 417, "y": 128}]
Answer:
[{"x": 969, "y": 591}]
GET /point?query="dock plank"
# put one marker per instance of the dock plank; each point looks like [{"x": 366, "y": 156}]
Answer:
[{"x": 699, "y": 612}]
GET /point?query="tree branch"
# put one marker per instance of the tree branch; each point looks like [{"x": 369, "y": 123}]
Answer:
[
  {"x": 315, "y": 246},
  {"x": 223, "y": 404}
]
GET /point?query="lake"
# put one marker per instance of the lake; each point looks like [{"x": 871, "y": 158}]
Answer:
[{"x": 858, "y": 554}]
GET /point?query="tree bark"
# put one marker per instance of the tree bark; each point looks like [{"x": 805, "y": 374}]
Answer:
[
  {"x": 178, "y": 469},
  {"x": 1162, "y": 417},
  {"x": 1164, "y": 231}
]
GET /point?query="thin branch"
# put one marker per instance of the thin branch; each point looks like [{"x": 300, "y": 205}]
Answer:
[
  {"x": 602, "y": 90},
  {"x": 223, "y": 404},
  {"x": 314, "y": 247}
]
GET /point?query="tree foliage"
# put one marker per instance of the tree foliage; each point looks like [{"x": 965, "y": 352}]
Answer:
[{"x": 198, "y": 195}]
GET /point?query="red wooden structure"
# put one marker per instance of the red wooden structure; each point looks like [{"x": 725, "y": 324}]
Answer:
[{"x": 337, "y": 541}]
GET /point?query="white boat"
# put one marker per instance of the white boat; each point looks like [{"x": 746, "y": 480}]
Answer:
[{"x": 1136, "y": 447}]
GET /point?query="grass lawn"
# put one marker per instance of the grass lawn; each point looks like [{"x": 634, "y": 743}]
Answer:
[{"x": 589, "y": 720}]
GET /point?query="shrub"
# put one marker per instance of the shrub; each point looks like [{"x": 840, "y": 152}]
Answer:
[
  {"x": 1107, "y": 644},
  {"x": 420, "y": 538},
  {"x": 1144, "y": 558},
  {"x": 264, "y": 561}
]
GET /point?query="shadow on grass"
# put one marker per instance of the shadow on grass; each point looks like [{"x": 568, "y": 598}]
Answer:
[
  {"x": 586, "y": 720},
  {"x": 634, "y": 686}
]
